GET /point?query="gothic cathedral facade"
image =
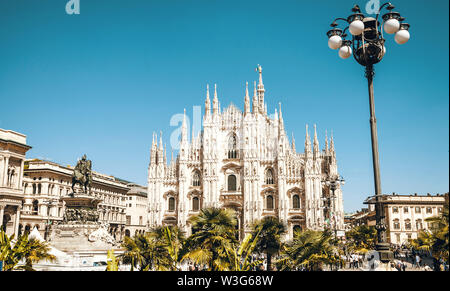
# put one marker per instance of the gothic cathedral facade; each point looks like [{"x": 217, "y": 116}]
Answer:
[{"x": 244, "y": 161}]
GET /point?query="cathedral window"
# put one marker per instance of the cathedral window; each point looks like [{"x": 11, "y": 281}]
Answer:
[
  {"x": 34, "y": 188},
  {"x": 171, "y": 204},
  {"x": 231, "y": 183},
  {"x": 232, "y": 147},
  {"x": 269, "y": 177},
  {"x": 196, "y": 179},
  {"x": 296, "y": 202},
  {"x": 195, "y": 204},
  {"x": 269, "y": 202},
  {"x": 35, "y": 207}
]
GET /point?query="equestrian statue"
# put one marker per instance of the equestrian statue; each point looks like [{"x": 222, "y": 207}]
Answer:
[{"x": 82, "y": 175}]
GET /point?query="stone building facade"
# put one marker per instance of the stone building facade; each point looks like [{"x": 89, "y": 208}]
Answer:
[
  {"x": 406, "y": 214},
  {"x": 46, "y": 182},
  {"x": 244, "y": 161},
  {"x": 13, "y": 148},
  {"x": 136, "y": 211}
]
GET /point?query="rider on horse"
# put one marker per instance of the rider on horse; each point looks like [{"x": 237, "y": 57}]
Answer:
[{"x": 82, "y": 174}]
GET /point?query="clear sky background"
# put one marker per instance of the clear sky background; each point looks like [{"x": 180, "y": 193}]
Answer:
[{"x": 101, "y": 82}]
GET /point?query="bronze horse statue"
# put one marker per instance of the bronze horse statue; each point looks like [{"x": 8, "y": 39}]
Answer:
[{"x": 82, "y": 175}]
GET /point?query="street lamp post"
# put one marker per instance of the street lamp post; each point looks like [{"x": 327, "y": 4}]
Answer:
[
  {"x": 368, "y": 48},
  {"x": 47, "y": 228},
  {"x": 333, "y": 184}
]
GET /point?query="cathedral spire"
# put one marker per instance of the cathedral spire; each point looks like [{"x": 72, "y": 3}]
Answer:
[
  {"x": 255, "y": 99},
  {"x": 184, "y": 128},
  {"x": 207, "y": 102},
  {"x": 307, "y": 142},
  {"x": 215, "y": 101},
  {"x": 293, "y": 142},
  {"x": 326, "y": 141},
  {"x": 332, "y": 143},
  {"x": 165, "y": 154},
  {"x": 153, "y": 150},
  {"x": 281, "y": 124},
  {"x": 260, "y": 90},
  {"x": 316, "y": 143},
  {"x": 247, "y": 100}
]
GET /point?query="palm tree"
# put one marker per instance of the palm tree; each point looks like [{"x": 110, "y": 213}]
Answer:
[
  {"x": 145, "y": 252},
  {"x": 269, "y": 230},
  {"x": 7, "y": 255},
  {"x": 113, "y": 263},
  {"x": 423, "y": 242},
  {"x": 309, "y": 249},
  {"x": 172, "y": 238},
  {"x": 436, "y": 239},
  {"x": 362, "y": 238},
  {"x": 214, "y": 231},
  {"x": 241, "y": 259},
  {"x": 29, "y": 249}
]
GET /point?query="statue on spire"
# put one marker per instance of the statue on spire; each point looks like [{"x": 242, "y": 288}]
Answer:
[
  {"x": 259, "y": 69},
  {"x": 260, "y": 90}
]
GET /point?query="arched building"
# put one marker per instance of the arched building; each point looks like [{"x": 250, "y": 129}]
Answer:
[{"x": 244, "y": 161}]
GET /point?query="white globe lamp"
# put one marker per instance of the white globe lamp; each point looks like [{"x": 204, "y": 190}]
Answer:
[
  {"x": 402, "y": 36},
  {"x": 345, "y": 52},
  {"x": 391, "y": 26},
  {"x": 356, "y": 27},
  {"x": 334, "y": 42}
]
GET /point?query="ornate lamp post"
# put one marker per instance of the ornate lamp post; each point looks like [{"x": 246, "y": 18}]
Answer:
[
  {"x": 332, "y": 184},
  {"x": 47, "y": 227},
  {"x": 368, "y": 48}
]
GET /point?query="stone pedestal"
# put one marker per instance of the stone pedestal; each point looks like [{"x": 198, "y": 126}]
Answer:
[
  {"x": 377, "y": 262},
  {"x": 80, "y": 229}
]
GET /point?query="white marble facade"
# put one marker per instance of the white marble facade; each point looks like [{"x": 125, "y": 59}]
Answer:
[
  {"x": 13, "y": 148},
  {"x": 245, "y": 161}
]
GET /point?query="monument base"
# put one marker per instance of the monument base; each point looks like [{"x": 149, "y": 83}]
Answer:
[
  {"x": 80, "y": 229},
  {"x": 378, "y": 261}
]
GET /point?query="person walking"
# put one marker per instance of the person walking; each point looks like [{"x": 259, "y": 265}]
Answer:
[{"x": 417, "y": 265}]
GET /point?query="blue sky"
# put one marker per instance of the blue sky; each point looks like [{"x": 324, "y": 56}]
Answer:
[{"x": 102, "y": 81}]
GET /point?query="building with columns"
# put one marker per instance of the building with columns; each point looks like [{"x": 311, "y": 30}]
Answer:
[
  {"x": 406, "y": 215},
  {"x": 13, "y": 148},
  {"x": 46, "y": 182},
  {"x": 244, "y": 161}
]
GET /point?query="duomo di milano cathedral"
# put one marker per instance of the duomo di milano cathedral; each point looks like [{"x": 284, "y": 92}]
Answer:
[{"x": 244, "y": 161}]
